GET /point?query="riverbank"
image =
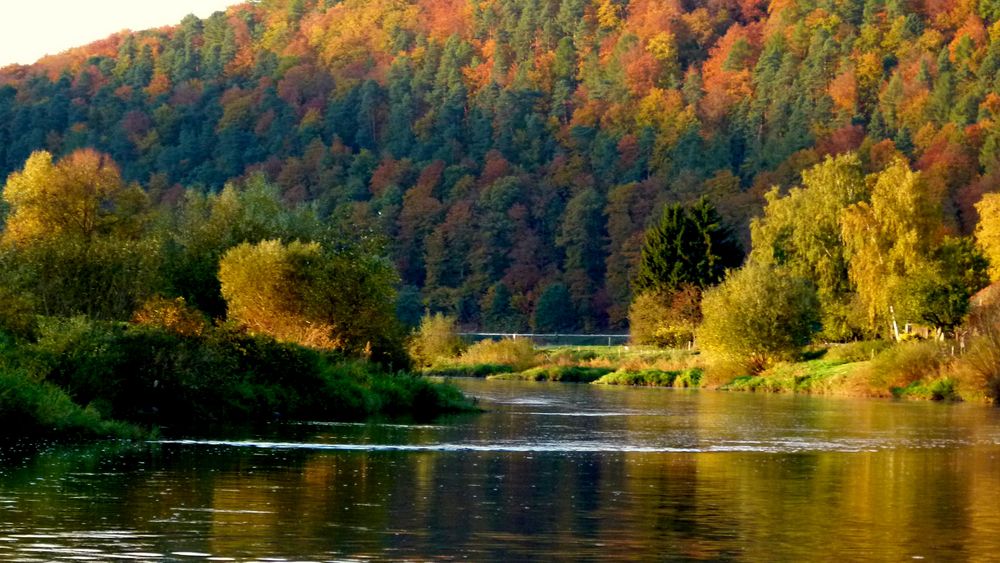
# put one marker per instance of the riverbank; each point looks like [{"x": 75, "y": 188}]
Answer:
[
  {"x": 924, "y": 370},
  {"x": 83, "y": 379}
]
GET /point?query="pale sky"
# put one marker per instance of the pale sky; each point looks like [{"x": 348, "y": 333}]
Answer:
[{"x": 30, "y": 29}]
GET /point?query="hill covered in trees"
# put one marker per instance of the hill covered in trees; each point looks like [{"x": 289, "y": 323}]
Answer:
[{"x": 514, "y": 151}]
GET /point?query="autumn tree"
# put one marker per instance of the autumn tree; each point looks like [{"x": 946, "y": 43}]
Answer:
[
  {"x": 81, "y": 197},
  {"x": 988, "y": 231},
  {"x": 300, "y": 292},
  {"x": 801, "y": 232}
]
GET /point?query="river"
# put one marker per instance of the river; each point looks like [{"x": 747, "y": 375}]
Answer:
[{"x": 550, "y": 472}]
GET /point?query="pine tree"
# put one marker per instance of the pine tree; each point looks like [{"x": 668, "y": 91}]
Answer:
[{"x": 687, "y": 247}]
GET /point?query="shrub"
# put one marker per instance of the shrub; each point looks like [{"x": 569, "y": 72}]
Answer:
[
  {"x": 900, "y": 366},
  {"x": 518, "y": 353},
  {"x": 173, "y": 315},
  {"x": 33, "y": 409},
  {"x": 304, "y": 294},
  {"x": 150, "y": 375},
  {"x": 758, "y": 316},
  {"x": 566, "y": 374},
  {"x": 665, "y": 319},
  {"x": 436, "y": 338},
  {"x": 979, "y": 368},
  {"x": 653, "y": 378}
]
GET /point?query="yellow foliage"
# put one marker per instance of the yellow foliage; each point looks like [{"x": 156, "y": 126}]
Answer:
[
  {"x": 988, "y": 231},
  {"x": 81, "y": 195}
]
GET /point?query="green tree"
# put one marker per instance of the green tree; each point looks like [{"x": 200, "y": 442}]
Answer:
[
  {"x": 801, "y": 232},
  {"x": 688, "y": 246},
  {"x": 554, "y": 311},
  {"x": 758, "y": 316}
]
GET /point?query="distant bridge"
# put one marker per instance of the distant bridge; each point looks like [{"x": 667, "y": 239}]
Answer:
[{"x": 552, "y": 338}]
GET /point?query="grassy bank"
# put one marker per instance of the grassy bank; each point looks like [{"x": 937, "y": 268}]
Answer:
[
  {"x": 912, "y": 370},
  {"x": 519, "y": 360},
  {"x": 85, "y": 379}
]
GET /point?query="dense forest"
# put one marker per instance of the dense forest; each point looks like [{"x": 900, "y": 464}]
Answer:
[{"x": 513, "y": 152}]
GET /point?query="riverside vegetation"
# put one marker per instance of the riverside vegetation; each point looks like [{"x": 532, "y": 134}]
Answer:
[{"x": 117, "y": 318}]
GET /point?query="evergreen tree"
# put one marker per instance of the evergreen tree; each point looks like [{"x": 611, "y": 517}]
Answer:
[{"x": 688, "y": 246}]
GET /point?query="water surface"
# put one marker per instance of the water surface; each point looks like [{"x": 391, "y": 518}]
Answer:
[{"x": 552, "y": 471}]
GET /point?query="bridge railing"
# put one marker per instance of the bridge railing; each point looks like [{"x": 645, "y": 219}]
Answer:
[{"x": 551, "y": 339}]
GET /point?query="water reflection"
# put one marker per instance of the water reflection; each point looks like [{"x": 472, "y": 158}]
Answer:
[{"x": 561, "y": 472}]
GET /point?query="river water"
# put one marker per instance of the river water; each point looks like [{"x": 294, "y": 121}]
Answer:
[{"x": 550, "y": 472}]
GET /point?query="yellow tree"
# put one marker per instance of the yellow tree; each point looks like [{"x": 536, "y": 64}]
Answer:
[
  {"x": 82, "y": 195},
  {"x": 988, "y": 231},
  {"x": 801, "y": 232},
  {"x": 889, "y": 242},
  {"x": 75, "y": 231}
]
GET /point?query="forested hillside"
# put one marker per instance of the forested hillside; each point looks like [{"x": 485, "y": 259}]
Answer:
[{"x": 514, "y": 151}]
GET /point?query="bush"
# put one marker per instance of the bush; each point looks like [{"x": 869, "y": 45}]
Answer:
[
  {"x": 436, "y": 339},
  {"x": 468, "y": 370},
  {"x": 978, "y": 370},
  {"x": 519, "y": 354},
  {"x": 758, "y": 316},
  {"x": 860, "y": 351},
  {"x": 646, "y": 378},
  {"x": 173, "y": 315},
  {"x": 33, "y": 409},
  {"x": 150, "y": 375},
  {"x": 901, "y": 366},
  {"x": 665, "y": 319}
]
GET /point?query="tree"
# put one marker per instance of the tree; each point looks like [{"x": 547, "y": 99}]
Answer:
[
  {"x": 889, "y": 242},
  {"x": 554, "y": 311},
  {"x": 988, "y": 231},
  {"x": 74, "y": 234},
  {"x": 81, "y": 196},
  {"x": 305, "y": 294},
  {"x": 758, "y": 316},
  {"x": 689, "y": 246}
]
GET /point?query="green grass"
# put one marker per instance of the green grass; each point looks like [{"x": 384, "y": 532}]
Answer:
[
  {"x": 653, "y": 378},
  {"x": 821, "y": 376},
  {"x": 468, "y": 370},
  {"x": 566, "y": 374}
]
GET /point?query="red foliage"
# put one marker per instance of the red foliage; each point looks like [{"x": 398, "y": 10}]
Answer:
[
  {"x": 845, "y": 139},
  {"x": 495, "y": 166}
]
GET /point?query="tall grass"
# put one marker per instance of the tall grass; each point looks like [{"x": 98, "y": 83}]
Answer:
[
  {"x": 899, "y": 367},
  {"x": 515, "y": 354}
]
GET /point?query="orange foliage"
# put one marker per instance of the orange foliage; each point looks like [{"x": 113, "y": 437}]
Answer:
[
  {"x": 724, "y": 87},
  {"x": 642, "y": 71},
  {"x": 495, "y": 166},
  {"x": 844, "y": 91},
  {"x": 158, "y": 85},
  {"x": 647, "y": 18},
  {"x": 389, "y": 172},
  {"x": 443, "y": 18}
]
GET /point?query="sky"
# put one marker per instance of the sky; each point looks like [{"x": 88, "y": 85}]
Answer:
[{"x": 30, "y": 29}]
